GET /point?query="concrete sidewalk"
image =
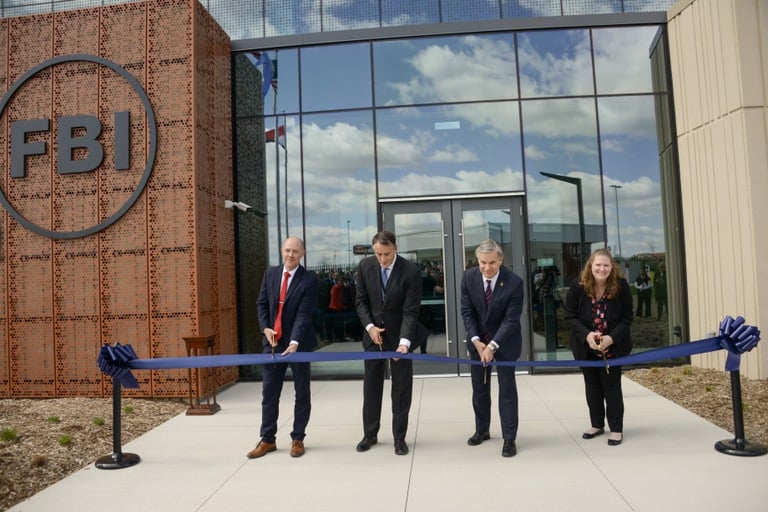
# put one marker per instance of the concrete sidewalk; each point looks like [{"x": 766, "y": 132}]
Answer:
[{"x": 197, "y": 463}]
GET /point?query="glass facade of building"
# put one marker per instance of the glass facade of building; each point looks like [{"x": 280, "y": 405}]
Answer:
[{"x": 452, "y": 132}]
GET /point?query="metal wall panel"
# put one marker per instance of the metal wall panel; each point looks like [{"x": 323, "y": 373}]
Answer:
[{"x": 165, "y": 269}]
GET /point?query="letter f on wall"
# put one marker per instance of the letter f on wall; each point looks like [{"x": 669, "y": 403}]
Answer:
[{"x": 20, "y": 148}]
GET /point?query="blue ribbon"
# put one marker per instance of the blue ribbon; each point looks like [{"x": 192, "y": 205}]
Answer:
[{"x": 735, "y": 336}]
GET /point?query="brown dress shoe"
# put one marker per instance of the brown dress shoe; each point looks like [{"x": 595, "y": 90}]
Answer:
[
  {"x": 297, "y": 448},
  {"x": 261, "y": 450}
]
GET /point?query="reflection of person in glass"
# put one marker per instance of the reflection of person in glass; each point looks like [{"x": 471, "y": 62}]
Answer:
[
  {"x": 548, "y": 300},
  {"x": 439, "y": 287},
  {"x": 325, "y": 327},
  {"x": 492, "y": 298},
  {"x": 337, "y": 307},
  {"x": 643, "y": 285},
  {"x": 286, "y": 304},
  {"x": 598, "y": 310},
  {"x": 660, "y": 290},
  {"x": 388, "y": 300}
]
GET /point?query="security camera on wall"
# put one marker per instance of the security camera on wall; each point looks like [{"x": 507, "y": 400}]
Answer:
[{"x": 240, "y": 206}]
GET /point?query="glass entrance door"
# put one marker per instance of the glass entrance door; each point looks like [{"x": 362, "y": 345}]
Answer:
[{"x": 440, "y": 237}]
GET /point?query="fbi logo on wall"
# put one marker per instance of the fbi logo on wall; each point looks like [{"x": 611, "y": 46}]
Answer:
[{"x": 81, "y": 144}]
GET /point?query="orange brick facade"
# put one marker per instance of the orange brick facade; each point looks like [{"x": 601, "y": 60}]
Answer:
[{"x": 165, "y": 268}]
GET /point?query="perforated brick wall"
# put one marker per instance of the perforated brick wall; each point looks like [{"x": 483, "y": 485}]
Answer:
[{"x": 165, "y": 269}]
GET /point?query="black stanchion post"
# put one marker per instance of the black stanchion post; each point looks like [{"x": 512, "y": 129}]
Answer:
[
  {"x": 118, "y": 459},
  {"x": 739, "y": 445}
]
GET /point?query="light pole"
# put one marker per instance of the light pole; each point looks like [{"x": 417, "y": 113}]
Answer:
[
  {"x": 580, "y": 205},
  {"x": 349, "y": 247},
  {"x": 618, "y": 231}
]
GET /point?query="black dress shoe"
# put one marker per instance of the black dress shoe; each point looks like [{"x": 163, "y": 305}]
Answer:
[
  {"x": 366, "y": 443},
  {"x": 478, "y": 438},
  {"x": 615, "y": 442},
  {"x": 587, "y": 435},
  {"x": 509, "y": 449},
  {"x": 400, "y": 447}
]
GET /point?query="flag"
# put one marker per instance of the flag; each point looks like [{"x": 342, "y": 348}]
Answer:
[
  {"x": 270, "y": 135},
  {"x": 262, "y": 61},
  {"x": 274, "y": 75}
]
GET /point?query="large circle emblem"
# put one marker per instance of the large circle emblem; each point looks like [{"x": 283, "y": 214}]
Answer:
[{"x": 151, "y": 128}]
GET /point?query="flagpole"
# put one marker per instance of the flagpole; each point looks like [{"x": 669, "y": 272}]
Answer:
[
  {"x": 269, "y": 79},
  {"x": 277, "y": 174},
  {"x": 285, "y": 163}
]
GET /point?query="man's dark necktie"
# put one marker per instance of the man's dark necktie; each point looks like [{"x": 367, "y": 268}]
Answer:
[
  {"x": 278, "y": 328},
  {"x": 486, "y": 334},
  {"x": 384, "y": 279}
]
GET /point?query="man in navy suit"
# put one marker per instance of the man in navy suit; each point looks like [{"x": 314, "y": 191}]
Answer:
[
  {"x": 288, "y": 328},
  {"x": 491, "y": 305},
  {"x": 387, "y": 300}
]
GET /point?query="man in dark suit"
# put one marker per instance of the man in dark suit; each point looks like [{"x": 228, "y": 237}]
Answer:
[
  {"x": 491, "y": 305},
  {"x": 387, "y": 301},
  {"x": 286, "y": 303}
]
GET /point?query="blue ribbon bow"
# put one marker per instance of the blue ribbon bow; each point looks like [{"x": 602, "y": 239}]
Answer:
[
  {"x": 114, "y": 360},
  {"x": 737, "y": 337}
]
